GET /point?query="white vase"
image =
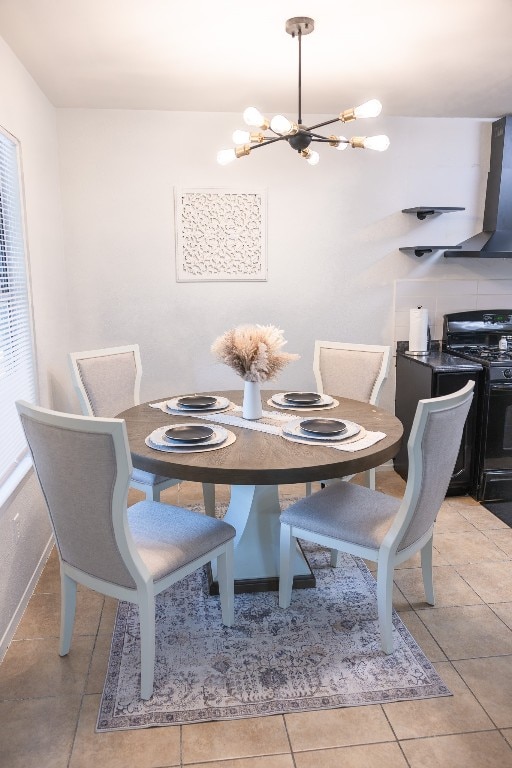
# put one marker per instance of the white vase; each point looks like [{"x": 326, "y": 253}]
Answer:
[{"x": 251, "y": 408}]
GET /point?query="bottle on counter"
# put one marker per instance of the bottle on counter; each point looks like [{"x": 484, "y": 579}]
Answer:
[{"x": 503, "y": 344}]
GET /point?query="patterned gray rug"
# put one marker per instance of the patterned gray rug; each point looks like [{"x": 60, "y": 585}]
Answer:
[{"x": 322, "y": 652}]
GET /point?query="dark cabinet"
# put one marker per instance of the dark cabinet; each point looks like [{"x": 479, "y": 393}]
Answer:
[{"x": 418, "y": 379}]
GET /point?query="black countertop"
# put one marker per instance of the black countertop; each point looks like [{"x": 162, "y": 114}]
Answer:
[{"x": 437, "y": 359}]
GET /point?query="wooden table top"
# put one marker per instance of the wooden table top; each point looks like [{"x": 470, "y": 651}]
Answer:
[{"x": 260, "y": 458}]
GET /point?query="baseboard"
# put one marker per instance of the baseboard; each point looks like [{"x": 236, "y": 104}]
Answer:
[{"x": 20, "y": 610}]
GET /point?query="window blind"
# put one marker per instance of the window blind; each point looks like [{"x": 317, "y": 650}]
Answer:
[{"x": 17, "y": 376}]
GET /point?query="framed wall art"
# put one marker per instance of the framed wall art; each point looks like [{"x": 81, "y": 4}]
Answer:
[{"x": 220, "y": 235}]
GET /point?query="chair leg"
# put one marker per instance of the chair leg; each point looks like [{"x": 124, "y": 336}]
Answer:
[
  {"x": 385, "y": 604},
  {"x": 308, "y": 489},
  {"x": 209, "y": 499},
  {"x": 286, "y": 551},
  {"x": 147, "y": 644},
  {"x": 334, "y": 558},
  {"x": 225, "y": 577},
  {"x": 426, "y": 569},
  {"x": 67, "y": 611},
  {"x": 152, "y": 494}
]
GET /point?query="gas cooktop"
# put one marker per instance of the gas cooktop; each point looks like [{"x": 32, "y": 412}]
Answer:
[{"x": 482, "y": 354}]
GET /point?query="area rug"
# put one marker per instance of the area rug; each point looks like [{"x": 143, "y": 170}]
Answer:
[
  {"x": 322, "y": 652},
  {"x": 502, "y": 510}
]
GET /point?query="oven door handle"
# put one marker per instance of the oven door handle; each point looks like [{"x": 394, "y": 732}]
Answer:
[{"x": 501, "y": 387}]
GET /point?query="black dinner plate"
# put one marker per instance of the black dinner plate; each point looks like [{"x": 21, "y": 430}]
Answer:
[
  {"x": 196, "y": 401},
  {"x": 323, "y": 426},
  {"x": 183, "y": 433},
  {"x": 302, "y": 398}
]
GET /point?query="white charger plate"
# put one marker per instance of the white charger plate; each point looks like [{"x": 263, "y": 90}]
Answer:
[
  {"x": 294, "y": 429},
  {"x": 158, "y": 440},
  {"x": 221, "y": 405},
  {"x": 278, "y": 401}
]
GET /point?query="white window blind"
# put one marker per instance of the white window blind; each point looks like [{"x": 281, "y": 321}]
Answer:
[{"x": 17, "y": 378}]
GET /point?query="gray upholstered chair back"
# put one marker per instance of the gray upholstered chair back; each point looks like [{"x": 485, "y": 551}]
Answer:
[
  {"x": 351, "y": 371},
  {"x": 431, "y": 466},
  {"x": 84, "y": 480},
  {"x": 108, "y": 380}
]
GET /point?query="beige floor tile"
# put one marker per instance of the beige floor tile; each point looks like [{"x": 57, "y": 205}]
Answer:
[
  {"x": 386, "y": 755},
  {"x": 492, "y": 581},
  {"x": 42, "y": 617},
  {"x": 38, "y": 733},
  {"x": 34, "y": 668},
  {"x": 469, "y": 750},
  {"x": 415, "y": 561},
  {"x": 468, "y": 631},
  {"x": 507, "y": 733},
  {"x": 442, "y": 715},
  {"x": 99, "y": 663},
  {"x": 450, "y": 520},
  {"x": 450, "y": 588},
  {"x": 234, "y": 738},
  {"x": 491, "y": 682},
  {"x": 389, "y": 482},
  {"x": 481, "y": 518},
  {"x": 141, "y": 748},
  {"x": 467, "y": 547},
  {"x": 337, "y": 727},
  {"x": 108, "y": 616},
  {"x": 268, "y": 761},
  {"x": 49, "y": 581},
  {"x": 504, "y": 611},
  {"x": 422, "y": 636},
  {"x": 502, "y": 537}
]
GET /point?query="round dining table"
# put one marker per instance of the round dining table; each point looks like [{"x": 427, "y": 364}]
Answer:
[{"x": 255, "y": 465}]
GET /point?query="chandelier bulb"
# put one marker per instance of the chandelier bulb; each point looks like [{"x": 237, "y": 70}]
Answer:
[
  {"x": 253, "y": 117},
  {"x": 281, "y": 125},
  {"x": 241, "y": 137},
  {"x": 371, "y": 108},
  {"x": 339, "y": 142},
  {"x": 377, "y": 143},
  {"x": 226, "y": 156},
  {"x": 312, "y": 157}
]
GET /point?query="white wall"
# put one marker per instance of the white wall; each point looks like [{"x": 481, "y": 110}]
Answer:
[
  {"x": 27, "y": 114},
  {"x": 333, "y": 235}
]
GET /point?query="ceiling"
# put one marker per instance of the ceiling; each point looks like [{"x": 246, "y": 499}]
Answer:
[{"x": 439, "y": 58}]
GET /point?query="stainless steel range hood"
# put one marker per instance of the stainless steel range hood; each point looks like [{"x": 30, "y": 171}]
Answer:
[{"x": 495, "y": 242}]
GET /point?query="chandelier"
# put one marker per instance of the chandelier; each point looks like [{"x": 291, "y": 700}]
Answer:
[{"x": 299, "y": 136}]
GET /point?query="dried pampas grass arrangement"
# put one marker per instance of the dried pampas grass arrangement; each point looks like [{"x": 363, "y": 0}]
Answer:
[{"x": 253, "y": 351}]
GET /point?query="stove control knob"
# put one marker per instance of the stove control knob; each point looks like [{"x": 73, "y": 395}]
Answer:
[{"x": 507, "y": 373}]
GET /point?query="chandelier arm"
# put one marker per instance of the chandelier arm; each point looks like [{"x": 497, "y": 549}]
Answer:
[
  {"x": 318, "y": 137},
  {"x": 320, "y": 125},
  {"x": 268, "y": 141}
]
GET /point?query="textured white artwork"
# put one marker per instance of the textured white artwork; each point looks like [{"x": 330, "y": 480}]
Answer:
[{"x": 220, "y": 235}]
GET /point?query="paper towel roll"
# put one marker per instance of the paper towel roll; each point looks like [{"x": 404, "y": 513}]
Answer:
[{"x": 418, "y": 330}]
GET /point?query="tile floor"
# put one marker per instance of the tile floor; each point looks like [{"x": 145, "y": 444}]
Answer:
[{"x": 48, "y": 705}]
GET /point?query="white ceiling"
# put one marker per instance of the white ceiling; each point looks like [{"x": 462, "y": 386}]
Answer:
[{"x": 419, "y": 57}]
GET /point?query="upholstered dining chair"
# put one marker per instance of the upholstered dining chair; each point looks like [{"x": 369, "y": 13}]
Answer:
[
  {"x": 107, "y": 382},
  {"x": 356, "y": 371},
  {"x": 83, "y": 465},
  {"x": 364, "y": 522}
]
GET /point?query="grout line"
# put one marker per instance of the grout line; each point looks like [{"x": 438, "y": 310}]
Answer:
[
  {"x": 289, "y": 742},
  {"x": 394, "y": 734}
]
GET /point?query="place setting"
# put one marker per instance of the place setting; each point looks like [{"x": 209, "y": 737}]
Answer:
[
  {"x": 336, "y": 433},
  {"x": 189, "y": 438},
  {"x": 190, "y": 404},
  {"x": 304, "y": 401}
]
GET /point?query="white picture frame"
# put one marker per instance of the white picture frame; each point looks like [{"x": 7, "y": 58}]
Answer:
[{"x": 221, "y": 234}]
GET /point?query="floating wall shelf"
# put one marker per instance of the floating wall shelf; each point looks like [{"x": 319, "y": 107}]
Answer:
[
  {"x": 422, "y": 211},
  {"x": 420, "y": 250}
]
